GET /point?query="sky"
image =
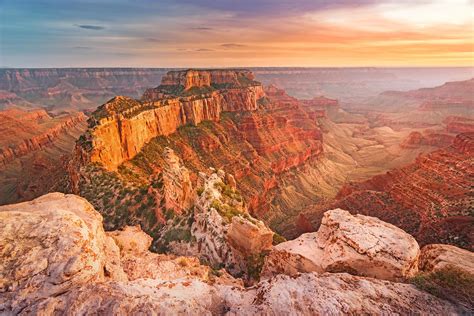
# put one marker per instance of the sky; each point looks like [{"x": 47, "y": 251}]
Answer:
[{"x": 226, "y": 33}]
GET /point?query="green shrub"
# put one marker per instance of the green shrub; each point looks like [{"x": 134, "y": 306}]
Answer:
[
  {"x": 277, "y": 239},
  {"x": 255, "y": 264}
]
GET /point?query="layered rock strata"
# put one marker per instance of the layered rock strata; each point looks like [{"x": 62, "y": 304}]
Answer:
[
  {"x": 120, "y": 128},
  {"x": 429, "y": 198},
  {"x": 262, "y": 144},
  {"x": 24, "y": 132}
]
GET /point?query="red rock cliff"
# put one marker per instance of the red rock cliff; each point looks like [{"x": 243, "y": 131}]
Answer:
[{"x": 121, "y": 127}]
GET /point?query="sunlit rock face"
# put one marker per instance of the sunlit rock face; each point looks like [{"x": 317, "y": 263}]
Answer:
[
  {"x": 360, "y": 245},
  {"x": 260, "y": 137},
  {"x": 121, "y": 127},
  {"x": 57, "y": 259}
]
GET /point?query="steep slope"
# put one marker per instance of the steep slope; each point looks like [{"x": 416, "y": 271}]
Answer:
[
  {"x": 220, "y": 119},
  {"x": 270, "y": 142},
  {"x": 33, "y": 146}
]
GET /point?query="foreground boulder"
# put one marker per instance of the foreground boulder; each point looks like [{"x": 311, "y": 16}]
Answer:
[
  {"x": 49, "y": 245},
  {"x": 437, "y": 257},
  {"x": 57, "y": 260},
  {"x": 357, "y": 244}
]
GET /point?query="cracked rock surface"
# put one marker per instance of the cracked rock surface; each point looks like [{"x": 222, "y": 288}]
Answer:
[
  {"x": 56, "y": 259},
  {"x": 357, "y": 244}
]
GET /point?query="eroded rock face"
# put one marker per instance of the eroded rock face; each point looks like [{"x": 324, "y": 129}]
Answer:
[
  {"x": 48, "y": 246},
  {"x": 55, "y": 259},
  {"x": 178, "y": 189},
  {"x": 360, "y": 245},
  {"x": 436, "y": 257},
  {"x": 224, "y": 231},
  {"x": 249, "y": 236},
  {"x": 338, "y": 294},
  {"x": 121, "y": 127},
  {"x": 428, "y": 198}
]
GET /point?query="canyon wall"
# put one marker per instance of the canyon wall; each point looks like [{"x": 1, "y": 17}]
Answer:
[
  {"x": 121, "y": 127},
  {"x": 24, "y": 132},
  {"x": 263, "y": 138},
  {"x": 430, "y": 198}
]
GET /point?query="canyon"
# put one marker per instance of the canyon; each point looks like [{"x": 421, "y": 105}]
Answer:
[
  {"x": 34, "y": 148},
  {"x": 213, "y": 192},
  {"x": 291, "y": 158}
]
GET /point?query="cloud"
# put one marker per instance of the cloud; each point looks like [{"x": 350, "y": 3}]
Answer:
[
  {"x": 204, "y": 50},
  {"x": 268, "y": 8},
  {"x": 152, "y": 40},
  {"x": 202, "y": 28},
  {"x": 91, "y": 27},
  {"x": 233, "y": 45},
  {"x": 82, "y": 47}
]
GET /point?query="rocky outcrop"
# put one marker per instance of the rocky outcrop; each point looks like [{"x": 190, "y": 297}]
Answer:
[
  {"x": 50, "y": 245},
  {"x": 334, "y": 294},
  {"x": 358, "y": 244},
  {"x": 249, "y": 236},
  {"x": 263, "y": 149},
  {"x": 436, "y": 257},
  {"x": 26, "y": 131},
  {"x": 224, "y": 231},
  {"x": 178, "y": 190},
  {"x": 120, "y": 128},
  {"x": 202, "y": 78},
  {"x": 56, "y": 259}
]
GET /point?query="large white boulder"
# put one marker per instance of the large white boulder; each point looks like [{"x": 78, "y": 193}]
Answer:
[{"x": 356, "y": 244}]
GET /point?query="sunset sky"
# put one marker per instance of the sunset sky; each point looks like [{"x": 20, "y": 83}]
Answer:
[{"x": 216, "y": 33}]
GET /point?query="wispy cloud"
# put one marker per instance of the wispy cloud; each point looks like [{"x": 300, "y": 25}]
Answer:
[
  {"x": 90, "y": 27},
  {"x": 233, "y": 45},
  {"x": 202, "y": 28},
  {"x": 204, "y": 50},
  {"x": 152, "y": 40},
  {"x": 82, "y": 47}
]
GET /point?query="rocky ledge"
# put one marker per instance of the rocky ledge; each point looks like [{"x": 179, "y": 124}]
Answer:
[{"x": 55, "y": 258}]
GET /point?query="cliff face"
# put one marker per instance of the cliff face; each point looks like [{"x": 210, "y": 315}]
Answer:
[
  {"x": 24, "y": 132},
  {"x": 262, "y": 138},
  {"x": 121, "y": 127}
]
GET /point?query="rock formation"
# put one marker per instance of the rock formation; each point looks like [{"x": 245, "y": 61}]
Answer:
[
  {"x": 56, "y": 259},
  {"x": 120, "y": 128},
  {"x": 428, "y": 198},
  {"x": 358, "y": 244},
  {"x": 260, "y": 140},
  {"x": 220, "y": 230},
  {"x": 436, "y": 257},
  {"x": 34, "y": 146}
]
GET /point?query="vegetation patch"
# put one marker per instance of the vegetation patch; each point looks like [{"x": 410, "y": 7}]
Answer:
[
  {"x": 449, "y": 283},
  {"x": 255, "y": 264},
  {"x": 278, "y": 239}
]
